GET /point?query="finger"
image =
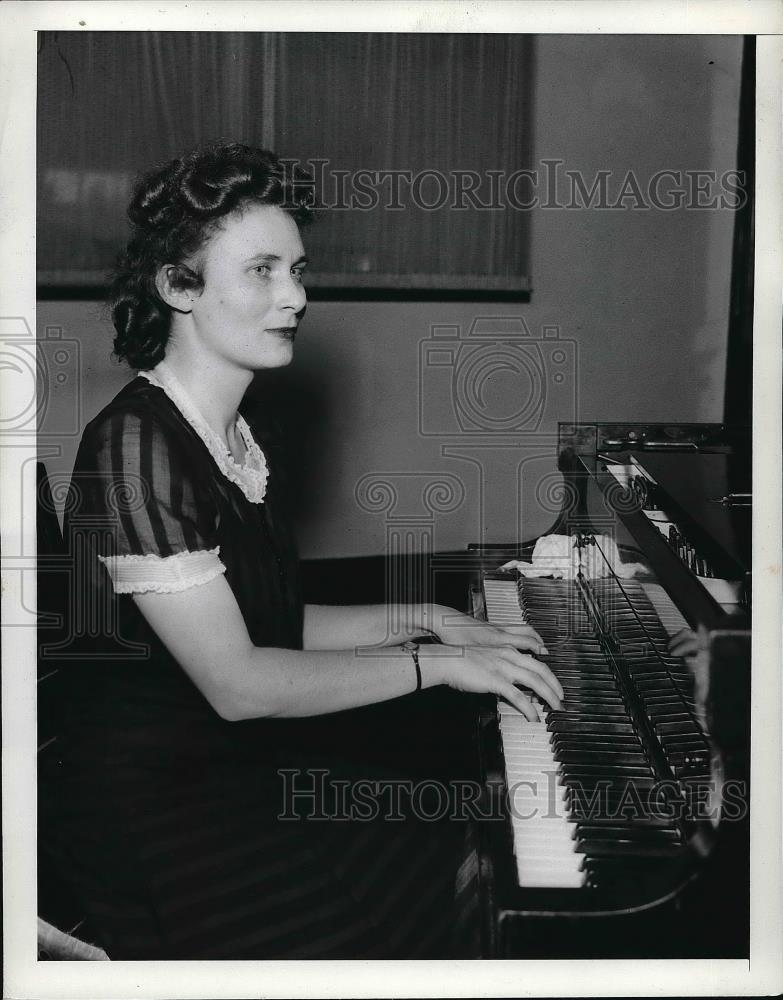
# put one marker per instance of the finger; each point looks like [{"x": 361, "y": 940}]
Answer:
[
  {"x": 495, "y": 639},
  {"x": 686, "y": 647},
  {"x": 520, "y": 630},
  {"x": 525, "y": 677},
  {"x": 684, "y": 635},
  {"x": 524, "y": 644},
  {"x": 683, "y": 643},
  {"x": 527, "y": 672},
  {"x": 539, "y": 709},
  {"x": 539, "y": 668},
  {"x": 520, "y": 701},
  {"x": 518, "y": 636},
  {"x": 529, "y": 645}
]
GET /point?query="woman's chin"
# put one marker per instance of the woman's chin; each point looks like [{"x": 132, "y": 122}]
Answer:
[{"x": 280, "y": 357}]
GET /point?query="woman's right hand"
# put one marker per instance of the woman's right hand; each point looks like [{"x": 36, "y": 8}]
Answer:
[
  {"x": 684, "y": 643},
  {"x": 499, "y": 670}
]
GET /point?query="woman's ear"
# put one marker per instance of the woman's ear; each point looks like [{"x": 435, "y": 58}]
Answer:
[{"x": 174, "y": 288}]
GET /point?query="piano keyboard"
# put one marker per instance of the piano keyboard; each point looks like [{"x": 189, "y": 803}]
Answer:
[{"x": 595, "y": 745}]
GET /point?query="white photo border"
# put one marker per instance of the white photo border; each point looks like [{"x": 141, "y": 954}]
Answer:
[{"x": 25, "y": 977}]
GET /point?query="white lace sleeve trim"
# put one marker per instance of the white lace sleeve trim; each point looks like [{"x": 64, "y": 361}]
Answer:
[
  {"x": 252, "y": 474},
  {"x": 162, "y": 574}
]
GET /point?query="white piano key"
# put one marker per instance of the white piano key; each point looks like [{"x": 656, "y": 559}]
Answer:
[
  {"x": 545, "y": 850},
  {"x": 670, "y": 617},
  {"x": 563, "y": 880}
]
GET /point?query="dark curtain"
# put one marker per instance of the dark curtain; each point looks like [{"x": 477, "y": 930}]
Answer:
[{"x": 111, "y": 104}]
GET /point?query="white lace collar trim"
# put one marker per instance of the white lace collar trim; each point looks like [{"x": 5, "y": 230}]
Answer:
[{"x": 252, "y": 474}]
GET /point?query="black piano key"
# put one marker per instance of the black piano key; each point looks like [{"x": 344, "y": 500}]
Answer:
[
  {"x": 601, "y": 811},
  {"x": 688, "y": 755},
  {"x": 679, "y": 726},
  {"x": 584, "y": 706},
  {"x": 610, "y": 757},
  {"x": 591, "y": 746},
  {"x": 610, "y": 690},
  {"x": 648, "y": 821},
  {"x": 622, "y": 849},
  {"x": 585, "y": 683},
  {"x": 563, "y": 724},
  {"x": 670, "y": 713},
  {"x": 693, "y": 743},
  {"x": 669, "y": 706},
  {"x": 640, "y": 783},
  {"x": 620, "y": 771},
  {"x": 674, "y": 685},
  {"x": 588, "y": 743},
  {"x": 598, "y": 698},
  {"x": 556, "y": 715},
  {"x": 614, "y": 787},
  {"x": 621, "y": 806},
  {"x": 676, "y": 707},
  {"x": 633, "y": 834},
  {"x": 652, "y": 685},
  {"x": 567, "y": 669},
  {"x": 611, "y": 738},
  {"x": 647, "y": 680},
  {"x": 661, "y": 701},
  {"x": 701, "y": 773},
  {"x": 676, "y": 698}
]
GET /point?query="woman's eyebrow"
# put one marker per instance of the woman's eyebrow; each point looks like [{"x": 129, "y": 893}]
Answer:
[{"x": 275, "y": 257}]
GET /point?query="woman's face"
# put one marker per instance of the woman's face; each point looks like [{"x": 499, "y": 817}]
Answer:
[{"x": 252, "y": 299}]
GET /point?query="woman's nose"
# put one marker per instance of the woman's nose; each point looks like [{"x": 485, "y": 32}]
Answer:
[{"x": 292, "y": 294}]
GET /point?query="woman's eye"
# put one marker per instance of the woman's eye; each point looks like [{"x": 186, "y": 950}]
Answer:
[
  {"x": 298, "y": 272},
  {"x": 262, "y": 269}
]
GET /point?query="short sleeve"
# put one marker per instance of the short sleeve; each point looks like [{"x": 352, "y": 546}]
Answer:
[{"x": 138, "y": 480}]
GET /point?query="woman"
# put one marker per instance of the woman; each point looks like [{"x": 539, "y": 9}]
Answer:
[{"x": 181, "y": 715}]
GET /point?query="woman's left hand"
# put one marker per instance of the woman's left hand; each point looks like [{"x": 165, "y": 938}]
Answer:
[{"x": 456, "y": 629}]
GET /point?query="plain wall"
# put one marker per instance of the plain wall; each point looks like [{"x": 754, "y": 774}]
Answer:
[{"x": 640, "y": 300}]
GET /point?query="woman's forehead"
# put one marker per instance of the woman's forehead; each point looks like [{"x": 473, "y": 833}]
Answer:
[{"x": 254, "y": 230}]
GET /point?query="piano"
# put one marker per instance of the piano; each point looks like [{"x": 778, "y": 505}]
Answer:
[{"x": 618, "y": 827}]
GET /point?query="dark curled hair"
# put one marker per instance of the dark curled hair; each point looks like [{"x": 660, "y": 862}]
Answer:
[{"x": 174, "y": 210}]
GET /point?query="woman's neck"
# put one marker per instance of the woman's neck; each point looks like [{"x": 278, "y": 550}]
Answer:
[{"x": 216, "y": 389}]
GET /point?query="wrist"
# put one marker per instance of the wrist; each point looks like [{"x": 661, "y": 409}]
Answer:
[
  {"x": 429, "y": 617},
  {"x": 434, "y": 665}
]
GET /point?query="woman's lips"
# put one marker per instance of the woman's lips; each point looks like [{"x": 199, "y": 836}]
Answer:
[{"x": 287, "y": 332}]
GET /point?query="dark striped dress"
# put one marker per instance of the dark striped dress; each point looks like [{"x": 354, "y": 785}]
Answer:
[{"x": 164, "y": 818}]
